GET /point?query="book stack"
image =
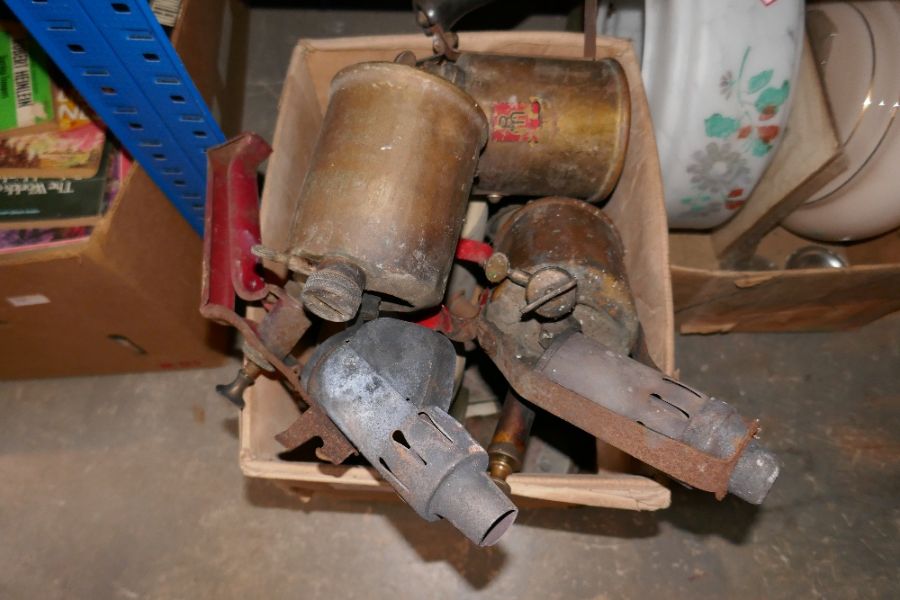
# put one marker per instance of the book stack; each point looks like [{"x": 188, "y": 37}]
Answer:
[{"x": 59, "y": 171}]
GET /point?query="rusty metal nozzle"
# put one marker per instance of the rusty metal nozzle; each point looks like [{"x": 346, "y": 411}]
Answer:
[
  {"x": 474, "y": 505},
  {"x": 387, "y": 385},
  {"x": 714, "y": 428},
  {"x": 334, "y": 291},
  {"x": 279, "y": 332},
  {"x": 666, "y": 406}
]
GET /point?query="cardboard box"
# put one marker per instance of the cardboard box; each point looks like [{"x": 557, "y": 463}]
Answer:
[
  {"x": 636, "y": 207},
  {"x": 127, "y": 299},
  {"x": 710, "y": 298}
]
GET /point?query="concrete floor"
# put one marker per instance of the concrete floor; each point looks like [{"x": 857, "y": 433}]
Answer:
[{"x": 129, "y": 486}]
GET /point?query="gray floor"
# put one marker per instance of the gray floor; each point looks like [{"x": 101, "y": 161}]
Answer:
[{"x": 129, "y": 487}]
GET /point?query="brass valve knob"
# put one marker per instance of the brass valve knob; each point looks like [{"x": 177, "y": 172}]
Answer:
[{"x": 551, "y": 292}]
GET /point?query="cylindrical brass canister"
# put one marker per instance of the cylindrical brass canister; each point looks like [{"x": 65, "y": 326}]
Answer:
[
  {"x": 558, "y": 127},
  {"x": 577, "y": 237},
  {"x": 389, "y": 181}
]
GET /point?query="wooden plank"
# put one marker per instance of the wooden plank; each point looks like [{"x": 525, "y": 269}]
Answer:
[
  {"x": 809, "y": 157},
  {"x": 269, "y": 406},
  {"x": 615, "y": 490}
]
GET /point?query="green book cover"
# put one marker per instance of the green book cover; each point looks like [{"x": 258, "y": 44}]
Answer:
[
  {"x": 33, "y": 200},
  {"x": 26, "y": 89}
]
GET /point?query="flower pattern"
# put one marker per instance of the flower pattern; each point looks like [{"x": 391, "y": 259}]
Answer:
[
  {"x": 720, "y": 173},
  {"x": 719, "y": 170}
]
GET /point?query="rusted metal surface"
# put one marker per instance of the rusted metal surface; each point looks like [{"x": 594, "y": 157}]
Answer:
[
  {"x": 389, "y": 180},
  {"x": 507, "y": 448},
  {"x": 284, "y": 324},
  {"x": 458, "y": 319},
  {"x": 279, "y": 331},
  {"x": 313, "y": 423},
  {"x": 388, "y": 384},
  {"x": 590, "y": 29},
  {"x": 544, "y": 242},
  {"x": 558, "y": 126},
  {"x": 229, "y": 270},
  {"x": 687, "y": 464},
  {"x": 550, "y": 292},
  {"x": 335, "y": 290},
  {"x": 663, "y": 405}
]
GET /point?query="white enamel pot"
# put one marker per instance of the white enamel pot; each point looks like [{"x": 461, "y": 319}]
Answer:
[{"x": 719, "y": 76}]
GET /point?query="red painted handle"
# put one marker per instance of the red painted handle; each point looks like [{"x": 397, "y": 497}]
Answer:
[{"x": 232, "y": 222}]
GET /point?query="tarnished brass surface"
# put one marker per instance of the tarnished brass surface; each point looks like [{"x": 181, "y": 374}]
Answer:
[
  {"x": 390, "y": 178},
  {"x": 579, "y": 238},
  {"x": 558, "y": 127},
  {"x": 507, "y": 448}
]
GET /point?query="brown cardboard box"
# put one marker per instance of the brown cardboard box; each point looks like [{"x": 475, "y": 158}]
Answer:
[
  {"x": 636, "y": 207},
  {"x": 127, "y": 299},
  {"x": 710, "y": 300}
]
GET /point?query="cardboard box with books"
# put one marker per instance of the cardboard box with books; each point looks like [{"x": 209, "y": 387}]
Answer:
[{"x": 112, "y": 290}]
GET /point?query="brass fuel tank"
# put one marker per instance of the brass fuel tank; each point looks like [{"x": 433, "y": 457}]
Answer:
[
  {"x": 384, "y": 200},
  {"x": 558, "y": 127},
  {"x": 569, "y": 246}
]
